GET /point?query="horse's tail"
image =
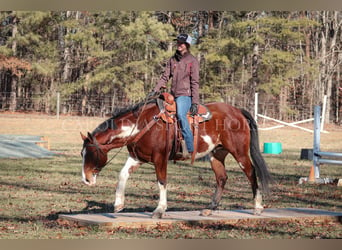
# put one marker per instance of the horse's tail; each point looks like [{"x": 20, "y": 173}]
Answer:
[{"x": 258, "y": 161}]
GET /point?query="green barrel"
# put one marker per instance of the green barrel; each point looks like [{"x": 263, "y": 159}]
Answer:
[{"x": 272, "y": 148}]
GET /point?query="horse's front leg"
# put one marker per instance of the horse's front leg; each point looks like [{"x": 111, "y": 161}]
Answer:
[
  {"x": 161, "y": 169},
  {"x": 159, "y": 212},
  {"x": 130, "y": 166}
]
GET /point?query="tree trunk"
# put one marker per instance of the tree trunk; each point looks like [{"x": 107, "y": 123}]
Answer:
[
  {"x": 322, "y": 86},
  {"x": 307, "y": 83},
  {"x": 85, "y": 95},
  {"x": 338, "y": 94},
  {"x": 66, "y": 76},
  {"x": 255, "y": 62},
  {"x": 333, "y": 31},
  {"x": 146, "y": 62},
  {"x": 211, "y": 20},
  {"x": 14, "y": 83},
  {"x": 13, "y": 101}
]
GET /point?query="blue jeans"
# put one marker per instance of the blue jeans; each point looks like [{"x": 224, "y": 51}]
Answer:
[{"x": 183, "y": 107}]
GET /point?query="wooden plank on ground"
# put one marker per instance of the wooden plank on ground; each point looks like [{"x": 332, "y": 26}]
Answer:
[{"x": 143, "y": 219}]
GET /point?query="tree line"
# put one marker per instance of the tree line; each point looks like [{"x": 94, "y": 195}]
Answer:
[{"x": 292, "y": 59}]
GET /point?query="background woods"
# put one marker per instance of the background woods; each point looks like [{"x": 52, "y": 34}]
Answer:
[{"x": 101, "y": 60}]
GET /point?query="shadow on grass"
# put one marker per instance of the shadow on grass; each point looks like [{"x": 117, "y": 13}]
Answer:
[{"x": 96, "y": 207}]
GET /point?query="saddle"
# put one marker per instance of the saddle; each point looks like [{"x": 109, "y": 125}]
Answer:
[
  {"x": 167, "y": 106},
  {"x": 166, "y": 102}
]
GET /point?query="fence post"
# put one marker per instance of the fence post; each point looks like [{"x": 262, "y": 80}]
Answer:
[
  {"x": 317, "y": 139},
  {"x": 113, "y": 102},
  {"x": 256, "y": 106},
  {"x": 323, "y": 112},
  {"x": 58, "y": 105}
]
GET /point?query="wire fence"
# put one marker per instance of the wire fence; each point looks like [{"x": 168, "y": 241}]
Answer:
[
  {"x": 102, "y": 105},
  {"x": 56, "y": 104}
]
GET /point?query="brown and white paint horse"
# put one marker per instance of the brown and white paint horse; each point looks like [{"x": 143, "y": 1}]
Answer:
[{"x": 230, "y": 130}]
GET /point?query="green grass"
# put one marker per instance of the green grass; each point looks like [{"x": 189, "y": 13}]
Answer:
[{"x": 33, "y": 192}]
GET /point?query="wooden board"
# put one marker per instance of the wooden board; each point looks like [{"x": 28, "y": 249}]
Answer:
[{"x": 140, "y": 219}]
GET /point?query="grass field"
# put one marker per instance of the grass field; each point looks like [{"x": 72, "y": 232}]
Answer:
[{"x": 34, "y": 191}]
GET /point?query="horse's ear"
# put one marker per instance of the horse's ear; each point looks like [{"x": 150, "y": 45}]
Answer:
[
  {"x": 83, "y": 136},
  {"x": 90, "y": 137}
]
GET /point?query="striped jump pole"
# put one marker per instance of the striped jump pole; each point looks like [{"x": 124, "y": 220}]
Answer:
[{"x": 320, "y": 157}]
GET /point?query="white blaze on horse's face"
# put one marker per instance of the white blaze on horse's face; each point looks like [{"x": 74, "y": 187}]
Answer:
[
  {"x": 126, "y": 131},
  {"x": 87, "y": 178}
]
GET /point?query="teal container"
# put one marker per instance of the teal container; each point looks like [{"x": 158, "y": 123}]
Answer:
[{"x": 272, "y": 148}]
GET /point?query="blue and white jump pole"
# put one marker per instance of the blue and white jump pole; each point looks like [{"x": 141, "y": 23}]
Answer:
[{"x": 319, "y": 157}]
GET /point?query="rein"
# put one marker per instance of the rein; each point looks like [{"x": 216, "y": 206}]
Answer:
[{"x": 147, "y": 127}]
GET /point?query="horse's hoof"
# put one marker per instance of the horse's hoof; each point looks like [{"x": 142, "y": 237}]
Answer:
[
  {"x": 206, "y": 212},
  {"x": 118, "y": 208},
  {"x": 157, "y": 215},
  {"x": 258, "y": 211}
]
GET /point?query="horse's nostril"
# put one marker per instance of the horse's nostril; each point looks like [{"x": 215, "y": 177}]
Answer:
[{"x": 86, "y": 181}]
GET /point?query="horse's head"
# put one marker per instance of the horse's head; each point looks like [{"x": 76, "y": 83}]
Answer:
[
  {"x": 116, "y": 132},
  {"x": 94, "y": 159}
]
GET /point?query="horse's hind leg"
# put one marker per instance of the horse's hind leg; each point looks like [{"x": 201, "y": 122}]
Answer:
[
  {"x": 248, "y": 168},
  {"x": 217, "y": 165},
  {"x": 130, "y": 166}
]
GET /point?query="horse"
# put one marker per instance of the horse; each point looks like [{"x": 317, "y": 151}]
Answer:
[{"x": 149, "y": 139}]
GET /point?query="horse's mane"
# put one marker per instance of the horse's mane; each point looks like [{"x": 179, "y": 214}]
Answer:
[
  {"x": 132, "y": 108},
  {"x": 110, "y": 123}
]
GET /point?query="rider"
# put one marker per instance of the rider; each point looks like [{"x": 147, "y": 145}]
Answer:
[{"x": 183, "y": 68}]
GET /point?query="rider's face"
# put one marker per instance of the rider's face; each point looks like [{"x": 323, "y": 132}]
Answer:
[{"x": 181, "y": 47}]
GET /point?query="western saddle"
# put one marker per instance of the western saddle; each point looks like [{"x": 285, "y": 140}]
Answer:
[{"x": 167, "y": 106}]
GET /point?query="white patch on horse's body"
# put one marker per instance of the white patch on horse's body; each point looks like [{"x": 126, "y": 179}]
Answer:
[
  {"x": 211, "y": 145},
  {"x": 126, "y": 131},
  {"x": 241, "y": 166},
  {"x": 123, "y": 177},
  {"x": 84, "y": 179}
]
